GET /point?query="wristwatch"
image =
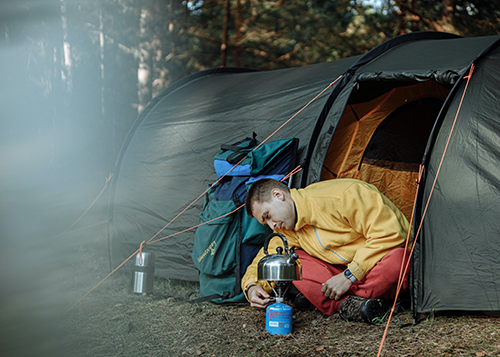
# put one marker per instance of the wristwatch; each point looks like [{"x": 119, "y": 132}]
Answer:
[{"x": 348, "y": 275}]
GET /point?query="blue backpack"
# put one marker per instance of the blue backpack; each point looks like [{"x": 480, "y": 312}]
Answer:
[{"x": 223, "y": 248}]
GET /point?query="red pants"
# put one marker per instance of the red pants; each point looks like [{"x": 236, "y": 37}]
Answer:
[{"x": 381, "y": 281}]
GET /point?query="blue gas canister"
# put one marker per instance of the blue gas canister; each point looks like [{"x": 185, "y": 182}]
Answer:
[{"x": 279, "y": 318}]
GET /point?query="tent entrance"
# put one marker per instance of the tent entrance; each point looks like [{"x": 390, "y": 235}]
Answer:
[{"x": 382, "y": 140}]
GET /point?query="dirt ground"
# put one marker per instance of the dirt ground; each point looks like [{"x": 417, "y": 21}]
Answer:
[
  {"x": 115, "y": 323},
  {"x": 110, "y": 321},
  {"x": 43, "y": 276}
]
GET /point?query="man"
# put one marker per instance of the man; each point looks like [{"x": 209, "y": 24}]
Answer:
[{"x": 349, "y": 238}]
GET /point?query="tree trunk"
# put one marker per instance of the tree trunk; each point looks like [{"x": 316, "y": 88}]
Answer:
[
  {"x": 225, "y": 37},
  {"x": 238, "y": 34},
  {"x": 144, "y": 82},
  {"x": 66, "y": 55},
  {"x": 101, "y": 58},
  {"x": 446, "y": 21}
]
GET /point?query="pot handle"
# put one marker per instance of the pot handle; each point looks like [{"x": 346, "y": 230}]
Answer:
[{"x": 285, "y": 242}]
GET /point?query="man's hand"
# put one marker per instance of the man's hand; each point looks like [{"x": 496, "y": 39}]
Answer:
[
  {"x": 336, "y": 286},
  {"x": 258, "y": 297}
]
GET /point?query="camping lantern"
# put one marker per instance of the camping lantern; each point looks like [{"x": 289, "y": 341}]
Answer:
[
  {"x": 280, "y": 268},
  {"x": 142, "y": 273}
]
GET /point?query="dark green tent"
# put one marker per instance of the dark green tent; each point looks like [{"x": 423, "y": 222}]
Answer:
[{"x": 391, "y": 110}]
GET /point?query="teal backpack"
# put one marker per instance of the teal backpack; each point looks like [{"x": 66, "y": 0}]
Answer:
[{"x": 224, "y": 247}]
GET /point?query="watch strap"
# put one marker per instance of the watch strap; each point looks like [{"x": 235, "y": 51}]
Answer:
[{"x": 348, "y": 275}]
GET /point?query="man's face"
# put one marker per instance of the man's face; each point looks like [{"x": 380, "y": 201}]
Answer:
[{"x": 277, "y": 213}]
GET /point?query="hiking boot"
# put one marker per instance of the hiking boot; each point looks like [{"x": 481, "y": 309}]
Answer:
[
  {"x": 299, "y": 300},
  {"x": 356, "y": 308},
  {"x": 302, "y": 303}
]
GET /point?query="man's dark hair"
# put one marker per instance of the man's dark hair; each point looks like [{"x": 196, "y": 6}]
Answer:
[{"x": 260, "y": 191}]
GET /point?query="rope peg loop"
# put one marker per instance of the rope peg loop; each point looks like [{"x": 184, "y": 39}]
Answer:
[{"x": 143, "y": 243}]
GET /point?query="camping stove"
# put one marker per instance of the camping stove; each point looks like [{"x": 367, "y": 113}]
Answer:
[{"x": 279, "y": 270}]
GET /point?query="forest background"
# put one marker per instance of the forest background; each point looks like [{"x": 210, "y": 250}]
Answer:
[{"x": 75, "y": 74}]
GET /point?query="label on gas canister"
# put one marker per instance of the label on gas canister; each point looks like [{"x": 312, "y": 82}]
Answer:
[{"x": 279, "y": 319}]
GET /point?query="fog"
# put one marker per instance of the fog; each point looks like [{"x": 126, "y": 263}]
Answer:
[{"x": 55, "y": 155}]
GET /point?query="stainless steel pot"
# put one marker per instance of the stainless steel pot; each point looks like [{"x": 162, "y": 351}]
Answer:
[{"x": 280, "y": 266}]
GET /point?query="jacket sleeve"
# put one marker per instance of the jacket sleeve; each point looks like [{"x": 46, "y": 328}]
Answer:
[
  {"x": 381, "y": 223},
  {"x": 250, "y": 277}
]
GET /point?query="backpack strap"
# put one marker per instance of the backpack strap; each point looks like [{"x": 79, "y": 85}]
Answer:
[
  {"x": 237, "y": 287},
  {"x": 236, "y": 157},
  {"x": 251, "y": 142}
]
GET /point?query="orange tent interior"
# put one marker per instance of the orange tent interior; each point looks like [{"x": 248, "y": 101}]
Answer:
[{"x": 382, "y": 141}]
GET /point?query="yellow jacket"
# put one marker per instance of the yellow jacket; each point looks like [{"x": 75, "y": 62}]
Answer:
[{"x": 343, "y": 221}]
